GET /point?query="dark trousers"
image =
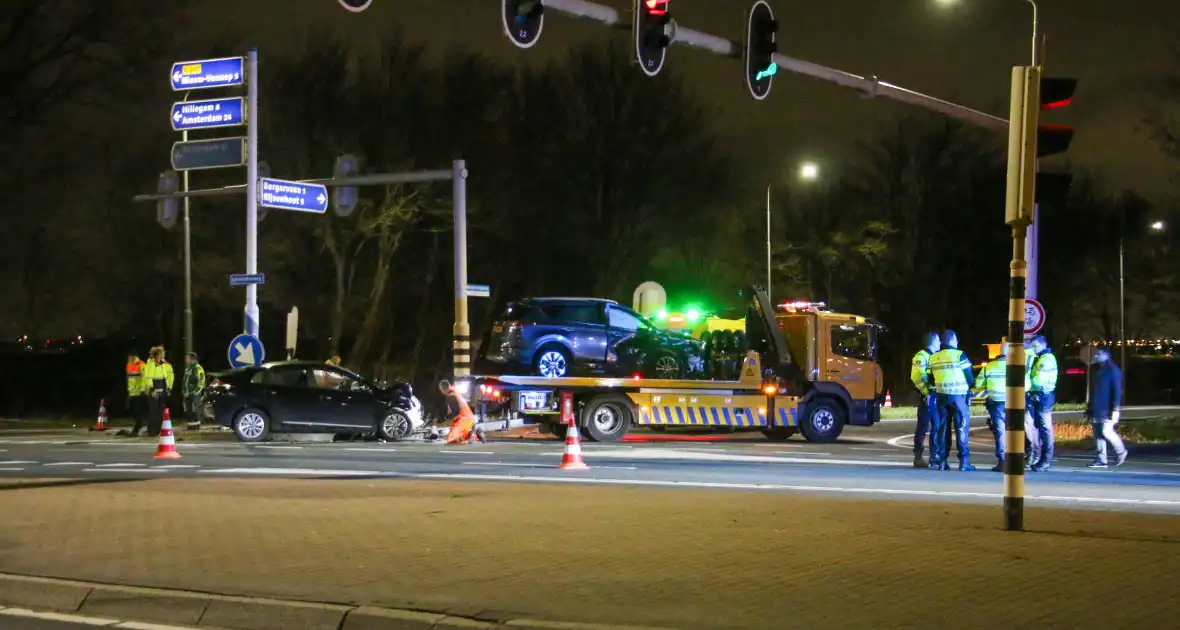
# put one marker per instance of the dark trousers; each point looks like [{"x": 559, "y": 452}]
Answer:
[
  {"x": 954, "y": 415},
  {"x": 192, "y": 408},
  {"x": 927, "y": 409},
  {"x": 138, "y": 405},
  {"x": 1039, "y": 426},
  {"x": 997, "y": 416},
  {"x": 156, "y": 406}
]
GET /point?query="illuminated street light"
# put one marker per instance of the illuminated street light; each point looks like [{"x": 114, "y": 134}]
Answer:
[
  {"x": 1157, "y": 226},
  {"x": 808, "y": 171}
]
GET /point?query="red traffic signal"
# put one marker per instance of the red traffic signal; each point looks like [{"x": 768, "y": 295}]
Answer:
[
  {"x": 656, "y": 7},
  {"x": 651, "y": 31},
  {"x": 1056, "y": 93}
]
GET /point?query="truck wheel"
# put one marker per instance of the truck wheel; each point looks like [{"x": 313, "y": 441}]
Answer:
[
  {"x": 608, "y": 418},
  {"x": 823, "y": 421},
  {"x": 778, "y": 434}
]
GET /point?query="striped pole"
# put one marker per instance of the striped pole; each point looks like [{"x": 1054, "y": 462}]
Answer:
[
  {"x": 461, "y": 333},
  {"x": 1014, "y": 404}
]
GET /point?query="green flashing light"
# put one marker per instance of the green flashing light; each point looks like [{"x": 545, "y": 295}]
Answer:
[
  {"x": 692, "y": 314},
  {"x": 661, "y": 315}
]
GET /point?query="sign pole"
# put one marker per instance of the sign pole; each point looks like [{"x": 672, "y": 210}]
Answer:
[
  {"x": 461, "y": 334},
  {"x": 188, "y": 261},
  {"x": 251, "y": 315}
]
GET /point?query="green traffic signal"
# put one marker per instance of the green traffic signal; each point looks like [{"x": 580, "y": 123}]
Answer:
[{"x": 770, "y": 71}]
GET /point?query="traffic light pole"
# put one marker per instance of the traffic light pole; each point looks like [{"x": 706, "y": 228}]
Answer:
[
  {"x": 250, "y": 317},
  {"x": 870, "y": 85}
]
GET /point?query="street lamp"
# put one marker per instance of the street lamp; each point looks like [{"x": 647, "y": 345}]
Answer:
[
  {"x": 1035, "y": 48},
  {"x": 1156, "y": 226},
  {"x": 808, "y": 172}
]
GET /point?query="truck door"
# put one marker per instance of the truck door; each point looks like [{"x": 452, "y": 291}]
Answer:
[{"x": 851, "y": 360}]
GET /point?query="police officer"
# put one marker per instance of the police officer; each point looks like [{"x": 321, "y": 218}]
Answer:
[
  {"x": 953, "y": 378},
  {"x": 1041, "y": 383},
  {"x": 159, "y": 375},
  {"x": 137, "y": 389},
  {"x": 923, "y": 382},
  {"x": 992, "y": 380}
]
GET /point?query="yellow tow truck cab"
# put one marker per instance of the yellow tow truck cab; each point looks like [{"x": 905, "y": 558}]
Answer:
[{"x": 797, "y": 369}]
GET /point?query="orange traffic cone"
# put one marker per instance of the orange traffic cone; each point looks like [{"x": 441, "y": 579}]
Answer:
[
  {"x": 572, "y": 459},
  {"x": 101, "y": 423},
  {"x": 888, "y": 401},
  {"x": 167, "y": 448}
]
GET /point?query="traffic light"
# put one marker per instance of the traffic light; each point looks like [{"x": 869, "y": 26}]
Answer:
[
  {"x": 523, "y": 21},
  {"x": 1055, "y": 93},
  {"x": 356, "y": 6},
  {"x": 760, "y": 48},
  {"x": 651, "y": 28}
]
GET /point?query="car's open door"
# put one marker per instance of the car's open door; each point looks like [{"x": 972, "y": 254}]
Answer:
[{"x": 764, "y": 336}]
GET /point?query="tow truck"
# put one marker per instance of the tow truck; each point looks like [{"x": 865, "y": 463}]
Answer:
[{"x": 781, "y": 387}]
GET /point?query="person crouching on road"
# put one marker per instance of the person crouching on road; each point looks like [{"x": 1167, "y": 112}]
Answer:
[
  {"x": 953, "y": 378},
  {"x": 993, "y": 381},
  {"x": 1106, "y": 395},
  {"x": 927, "y": 407},
  {"x": 463, "y": 426},
  {"x": 160, "y": 377}
]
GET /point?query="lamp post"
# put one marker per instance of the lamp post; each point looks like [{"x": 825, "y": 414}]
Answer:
[
  {"x": 808, "y": 172},
  {"x": 1157, "y": 226}
]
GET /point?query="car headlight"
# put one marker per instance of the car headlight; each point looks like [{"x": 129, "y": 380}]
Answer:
[{"x": 463, "y": 387}]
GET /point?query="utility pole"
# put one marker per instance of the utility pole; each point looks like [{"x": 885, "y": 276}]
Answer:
[{"x": 250, "y": 319}]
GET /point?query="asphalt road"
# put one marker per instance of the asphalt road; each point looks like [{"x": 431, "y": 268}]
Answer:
[{"x": 868, "y": 462}]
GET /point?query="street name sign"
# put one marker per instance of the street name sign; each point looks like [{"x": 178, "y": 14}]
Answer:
[
  {"x": 285, "y": 195},
  {"x": 208, "y": 73},
  {"x": 479, "y": 290},
  {"x": 200, "y": 154},
  {"x": 246, "y": 279},
  {"x": 208, "y": 114}
]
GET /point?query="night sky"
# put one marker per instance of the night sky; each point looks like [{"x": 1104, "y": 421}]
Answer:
[{"x": 963, "y": 53}]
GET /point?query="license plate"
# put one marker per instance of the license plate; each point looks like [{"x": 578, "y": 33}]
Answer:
[
  {"x": 533, "y": 401},
  {"x": 498, "y": 328}
]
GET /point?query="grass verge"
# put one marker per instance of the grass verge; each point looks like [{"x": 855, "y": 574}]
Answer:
[{"x": 1155, "y": 430}]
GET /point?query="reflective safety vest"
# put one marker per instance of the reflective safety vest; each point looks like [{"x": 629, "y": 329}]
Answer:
[
  {"x": 136, "y": 385},
  {"x": 1042, "y": 373},
  {"x": 920, "y": 371},
  {"x": 159, "y": 376},
  {"x": 194, "y": 380},
  {"x": 947, "y": 366},
  {"x": 993, "y": 379}
]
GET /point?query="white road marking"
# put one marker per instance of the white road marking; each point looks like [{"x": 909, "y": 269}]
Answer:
[
  {"x": 523, "y": 465},
  {"x": 69, "y": 464},
  {"x": 120, "y": 465},
  {"x": 15, "y": 462},
  {"x": 281, "y": 448},
  {"x": 100, "y": 622},
  {"x": 673, "y": 454},
  {"x": 125, "y": 470},
  {"x": 11, "y": 469},
  {"x": 177, "y": 466},
  {"x": 870, "y": 448},
  {"x": 309, "y": 472},
  {"x": 897, "y": 441},
  {"x": 50, "y": 616},
  {"x": 469, "y": 452},
  {"x": 370, "y": 450},
  {"x": 799, "y": 453},
  {"x": 755, "y": 486}
]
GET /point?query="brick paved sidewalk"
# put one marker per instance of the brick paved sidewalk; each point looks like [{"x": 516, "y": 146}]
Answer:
[{"x": 684, "y": 559}]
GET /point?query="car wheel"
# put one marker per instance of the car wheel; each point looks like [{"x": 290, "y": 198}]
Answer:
[
  {"x": 823, "y": 421},
  {"x": 395, "y": 426},
  {"x": 664, "y": 365},
  {"x": 251, "y": 425},
  {"x": 608, "y": 418},
  {"x": 552, "y": 362}
]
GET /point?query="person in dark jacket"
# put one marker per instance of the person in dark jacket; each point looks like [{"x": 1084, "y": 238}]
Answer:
[{"x": 1106, "y": 395}]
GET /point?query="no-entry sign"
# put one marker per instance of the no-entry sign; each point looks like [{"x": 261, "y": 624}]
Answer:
[{"x": 1034, "y": 317}]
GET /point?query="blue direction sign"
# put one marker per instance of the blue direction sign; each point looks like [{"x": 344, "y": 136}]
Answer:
[
  {"x": 207, "y": 114},
  {"x": 216, "y": 153},
  {"x": 246, "y": 351},
  {"x": 479, "y": 290},
  {"x": 285, "y": 195},
  {"x": 246, "y": 279},
  {"x": 208, "y": 73}
]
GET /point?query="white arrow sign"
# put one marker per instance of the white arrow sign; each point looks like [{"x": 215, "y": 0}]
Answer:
[
  {"x": 321, "y": 199},
  {"x": 245, "y": 353}
]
